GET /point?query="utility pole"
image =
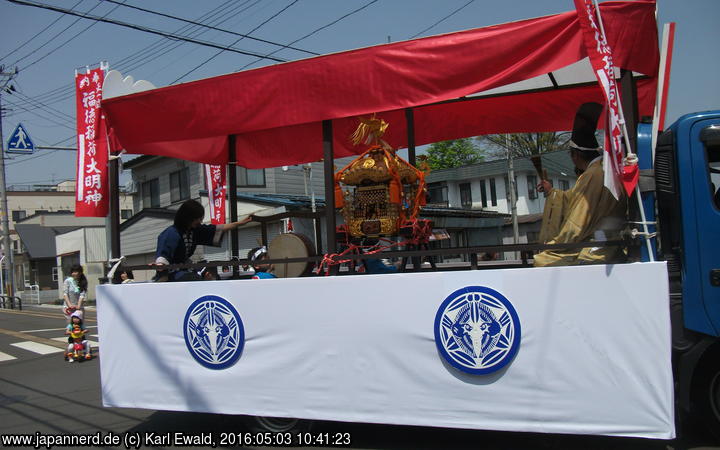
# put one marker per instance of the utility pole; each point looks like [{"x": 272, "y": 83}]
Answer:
[
  {"x": 513, "y": 199},
  {"x": 7, "y": 243}
]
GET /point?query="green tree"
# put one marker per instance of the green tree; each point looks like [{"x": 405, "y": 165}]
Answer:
[
  {"x": 455, "y": 153},
  {"x": 496, "y": 146}
]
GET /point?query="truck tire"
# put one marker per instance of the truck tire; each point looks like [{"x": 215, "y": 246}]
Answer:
[
  {"x": 259, "y": 424},
  {"x": 706, "y": 393}
]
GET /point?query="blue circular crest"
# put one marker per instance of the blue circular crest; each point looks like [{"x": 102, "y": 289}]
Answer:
[
  {"x": 477, "y": 330},
  {"x": 214, "y": 332}
]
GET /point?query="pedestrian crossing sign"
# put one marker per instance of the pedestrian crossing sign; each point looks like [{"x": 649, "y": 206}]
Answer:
[{"x": 20, "y": 141}]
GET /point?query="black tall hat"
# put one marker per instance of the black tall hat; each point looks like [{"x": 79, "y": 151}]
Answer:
[{"x": 586, "y": 119}]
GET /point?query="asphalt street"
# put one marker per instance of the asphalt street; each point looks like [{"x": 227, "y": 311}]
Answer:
[{"x": 42, "y": 393}]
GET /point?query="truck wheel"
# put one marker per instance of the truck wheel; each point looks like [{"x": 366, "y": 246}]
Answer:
[
  {"x": 277, "y": 424},
  {"x": 706, "y": 394}
]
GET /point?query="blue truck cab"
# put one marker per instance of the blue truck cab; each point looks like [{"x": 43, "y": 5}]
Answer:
[{"x": 687, "y": 191}]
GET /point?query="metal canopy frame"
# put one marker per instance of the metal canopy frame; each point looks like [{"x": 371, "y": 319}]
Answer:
[{"x": 630, "y": 105}]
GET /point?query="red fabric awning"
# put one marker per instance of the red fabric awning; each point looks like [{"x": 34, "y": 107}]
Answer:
[{"x": 276, "y": 111}]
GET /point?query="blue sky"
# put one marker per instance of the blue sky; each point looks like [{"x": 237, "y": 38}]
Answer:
[{"x": 47, "y": 59}]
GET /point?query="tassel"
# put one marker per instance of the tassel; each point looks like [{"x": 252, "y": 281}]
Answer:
[
  {"x": 339, "y": 197},
  {"x": 394, "y": 188}
]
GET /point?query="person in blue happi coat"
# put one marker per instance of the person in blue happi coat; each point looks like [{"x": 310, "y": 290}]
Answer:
[
  {"x": 177, "y": 243},
  {"x": 262, "y": 270}
]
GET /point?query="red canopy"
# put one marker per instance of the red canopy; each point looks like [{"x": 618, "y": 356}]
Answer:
[{"x": 456, "y": 83}]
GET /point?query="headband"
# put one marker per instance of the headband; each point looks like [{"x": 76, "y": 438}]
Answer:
[
  {"x": 584, "y": 149},
  {"x": 258, "y": 253}
]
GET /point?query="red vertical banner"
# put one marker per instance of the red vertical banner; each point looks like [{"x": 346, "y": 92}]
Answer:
[
  {"x": 601, "y": 59},
  {"x": 215, "y": 178},
  {"x": 92, "y": 172}
]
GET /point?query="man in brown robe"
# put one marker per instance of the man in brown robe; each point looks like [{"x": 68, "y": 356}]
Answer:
[{"x": 588, "y": 211}]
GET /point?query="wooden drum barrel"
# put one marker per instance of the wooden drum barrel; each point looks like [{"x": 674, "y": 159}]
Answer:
[{"x": 291, "y": 245}]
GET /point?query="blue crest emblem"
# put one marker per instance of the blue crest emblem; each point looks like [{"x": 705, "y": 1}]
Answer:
[
  {"x": 214, "y": 332},
  {"x": 477, "y": 330}
]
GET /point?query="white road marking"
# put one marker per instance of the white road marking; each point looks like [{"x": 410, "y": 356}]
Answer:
[
  {"x": 50, "y": 329},
  {"x": 36, "y": 347},
  {"x": 6, "y": 357}
]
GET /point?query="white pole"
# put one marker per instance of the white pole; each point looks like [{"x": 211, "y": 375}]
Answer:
[
  {"x": 2, "y": 280},
  {"x": 308, "y": 171},
  {"x": 513, "y": 200}
]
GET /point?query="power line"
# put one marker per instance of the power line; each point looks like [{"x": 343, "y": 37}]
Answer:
[
  {"x": 22, "y": 183},
  {"x": 145, "y": 29},
  {"x": 251, "y": 31},
  {"x": 161, "y": 46},
  {"x": 312, "y": 32},
  {"x": 167, "y": 47},
  {"x": 52, "y": 39},
  {"x": 38, "y": 115},
  {"x": 68, "y": 40},
  {"x": 43, "y": 106},
  {"x": 441, "y": 20},
  {"x": 242, "y": 36},
  {"x": 39, "y": 33},
  {"x": 32, "y": 158}
]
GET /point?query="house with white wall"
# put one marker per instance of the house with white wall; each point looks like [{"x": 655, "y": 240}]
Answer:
[
  {"x": 38, "y": 213},
  {"x": 162, "y": 184},
  {"x": 484, "y": 186}
]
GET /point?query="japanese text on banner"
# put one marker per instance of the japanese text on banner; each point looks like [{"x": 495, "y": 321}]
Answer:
[
  {"x": 92, "y": 157},
  {"x": 215, "y": 176}
]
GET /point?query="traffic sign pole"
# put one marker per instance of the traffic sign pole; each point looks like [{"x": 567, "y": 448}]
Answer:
[{"x": 5, "y": 213}]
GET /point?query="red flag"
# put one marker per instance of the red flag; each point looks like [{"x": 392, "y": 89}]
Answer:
[
  {"x": 92, "y": 172},
  {"x": 215, "y": 176},
  {"x": 601, "y": 59}
]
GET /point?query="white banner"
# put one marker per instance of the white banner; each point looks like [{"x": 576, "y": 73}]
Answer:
[{"x": 582, "y": 350}]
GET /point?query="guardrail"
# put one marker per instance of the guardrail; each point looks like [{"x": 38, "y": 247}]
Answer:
[
  {"x": 6, "y": 300},
  {"x": 415, "y": 256},
  {"x": 33, "y": 292}
]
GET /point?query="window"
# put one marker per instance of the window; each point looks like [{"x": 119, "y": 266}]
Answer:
[
  {"x": 532, "y": 184},
  {"x": 41, "y": 211},
  {"x": 179, "y": 185},
  {"x": 17, "y": 246},
  {"x": 437, "y": 193},
  {"x": 125, "y": 213},
  {"x": 465, "y": 195},
  {"x": 54, "y": 273},
  {"x": 250, "y": 177},
  {"x": 18, "y": 215},
  {"x": 151, "y": 194},
  {"x": 564, "y": 185},
  {"x": 483, "y": 193},
  {"x": 713, "y": 159},
  {"x": 493, "y": 192}
]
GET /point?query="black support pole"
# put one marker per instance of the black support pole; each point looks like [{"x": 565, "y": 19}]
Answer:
[
  {"x": 329, "y": 173},
  {"x": 630, "y": 106},
  {"x": 410, "y": 120},
  {"x": 232, "y": 188},
  {"x": 114, "y": 173}
]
